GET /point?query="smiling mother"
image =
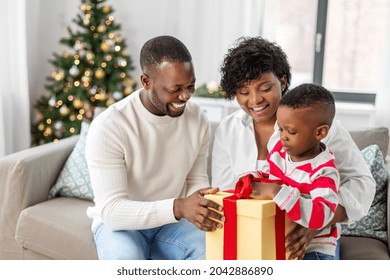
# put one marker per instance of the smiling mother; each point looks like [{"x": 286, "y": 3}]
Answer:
[{"x": 256, "y": 72}]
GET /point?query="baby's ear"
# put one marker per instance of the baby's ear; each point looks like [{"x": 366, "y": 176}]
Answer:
[{"x": 322, "y": 131}]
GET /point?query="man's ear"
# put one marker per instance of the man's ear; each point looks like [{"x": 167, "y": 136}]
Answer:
[
  {"x": 322, "y": 131},
  {"x": 145, "y": 80}
]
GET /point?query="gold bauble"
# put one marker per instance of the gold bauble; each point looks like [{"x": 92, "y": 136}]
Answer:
[
  {"x": 106, "y": 9},
  {"x": 77, "y": 103},
  {"x": 48, "y": 131},
  {"x": 104, "y": 46},
  {"x": 54, "y": 74},
  {"x": 41, "y": 127},
  {"x": 58, "y": 76},
  {"x": 110, "y": 101},
  {"x": 103, "y": 95},
  {"x": 101, "y": 28},
  {"x": 85, "y": 79},
  {"x": 99, "y": 73},
  {"x": 64, "y": 110},
  {"x": 128, "y": 90}
]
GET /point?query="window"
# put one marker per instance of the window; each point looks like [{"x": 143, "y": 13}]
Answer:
[{"x": 337, "y": 43}]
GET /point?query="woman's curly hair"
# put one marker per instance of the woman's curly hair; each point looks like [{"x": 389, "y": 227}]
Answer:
[{"x": 248, "y": 59}]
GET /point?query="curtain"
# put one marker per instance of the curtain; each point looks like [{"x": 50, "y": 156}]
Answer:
[
  {"x": 208, "y": 28},
  {"x": 383, "y": 97},
  {"x": 14, "y": 97}
]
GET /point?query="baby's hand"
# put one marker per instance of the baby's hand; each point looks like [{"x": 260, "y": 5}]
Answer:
[{"x": 264, "y": 190}]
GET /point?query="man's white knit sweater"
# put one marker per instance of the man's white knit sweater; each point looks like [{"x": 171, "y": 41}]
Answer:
[{"x": 139, "y": 163}]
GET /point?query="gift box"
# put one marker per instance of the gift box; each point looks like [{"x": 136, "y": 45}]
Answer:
[{"x": 260, "y": 228}]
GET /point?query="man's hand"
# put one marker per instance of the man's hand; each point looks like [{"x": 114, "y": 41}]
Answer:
[
  {"x": 297, "y": 240},
  {"x": 199, "y": 210}
]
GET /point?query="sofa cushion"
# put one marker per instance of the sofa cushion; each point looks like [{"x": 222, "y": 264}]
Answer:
[
  {"x": 365, "y": 138},
  {"x": 74, "y": 180},
  {"x": 58, "y": 228},
  {"x": 374, "y": 224}
]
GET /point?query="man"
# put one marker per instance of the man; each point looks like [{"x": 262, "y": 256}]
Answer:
[{"x": 147, "y": 156}]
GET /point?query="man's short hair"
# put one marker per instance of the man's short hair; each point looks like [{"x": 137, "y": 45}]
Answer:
[
  {"x": 163, "y": 48},
  {"x": 311, "y": 95}
]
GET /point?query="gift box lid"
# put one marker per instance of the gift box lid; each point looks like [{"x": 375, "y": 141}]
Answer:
[{"x": 252, "y": 208}]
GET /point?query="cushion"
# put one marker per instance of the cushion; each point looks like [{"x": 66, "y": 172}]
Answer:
[
  {"x": 58, "y": 228},
  {"x": 374, "y": 224},
  {"x": 73, "y": 180},
  {"x": 378, "y": 136}
]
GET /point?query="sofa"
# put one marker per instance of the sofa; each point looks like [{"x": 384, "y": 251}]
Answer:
[{"x": 35, "y": 227}]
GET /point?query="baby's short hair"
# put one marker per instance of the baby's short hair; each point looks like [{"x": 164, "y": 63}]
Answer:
[
  {"x": 311, "y": 95},
  {"x": 163, "y": 48}
]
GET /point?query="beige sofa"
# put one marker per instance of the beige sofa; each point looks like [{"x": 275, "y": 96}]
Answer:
[{"x": 33, "y": 227}]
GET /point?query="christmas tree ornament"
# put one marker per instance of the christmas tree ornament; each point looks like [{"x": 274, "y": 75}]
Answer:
[
  {"x": 99, "y": 73},
  {"x": 93, "y": 90},
  {"x": 57, "y": 125},
  {"x": 48, "y": 131},
  {"x": 122, "y": 62},
  {"x": 105, "y": 46},
  {"x": 117, "y": 95},
  {"x": 128, "y": 90},
  {"x": 110, "y": 101},
  {"x": 41, "y": 127},
  {"x": 74, "y": 71},
  {"x": 106, "y": 9},
  {"x": 101, "y": 28},
  {"x": 90, "y": 55},
  {"x": 85, "y": 79},
  {"x": 64, "y": 110},
  {"x": 77, "y": 103},
  {"x": 52, "y": 102},
  {"x": 82, "y": 53}
]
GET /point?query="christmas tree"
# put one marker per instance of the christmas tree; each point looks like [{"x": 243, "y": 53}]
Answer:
[{"x": 95, "y": 72}]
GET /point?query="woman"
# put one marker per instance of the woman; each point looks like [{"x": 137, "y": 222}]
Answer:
[{"x": 256, "y": 72}]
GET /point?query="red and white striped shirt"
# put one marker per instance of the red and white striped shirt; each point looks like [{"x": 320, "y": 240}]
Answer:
[{"x": 309, "y": 193}]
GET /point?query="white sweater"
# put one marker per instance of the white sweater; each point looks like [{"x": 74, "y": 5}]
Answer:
[{"x": 139, "y": 163}]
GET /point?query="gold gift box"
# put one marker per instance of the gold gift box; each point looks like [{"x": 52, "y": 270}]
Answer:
[{"x": 255, "y": 230}]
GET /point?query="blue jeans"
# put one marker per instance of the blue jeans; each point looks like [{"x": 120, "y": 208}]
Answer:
[
  {"x": 317, "y": 256},
  {"x": 177, "y": 241},
  {"x": 320, "y": 256}
]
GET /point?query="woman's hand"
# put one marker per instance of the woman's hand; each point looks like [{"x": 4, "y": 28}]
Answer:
[
  {"x": 297, "y": 241},
  {"x": 200, "y": 211}
]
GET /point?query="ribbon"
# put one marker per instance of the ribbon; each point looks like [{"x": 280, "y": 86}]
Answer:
[{"x": 243, "y": 190}]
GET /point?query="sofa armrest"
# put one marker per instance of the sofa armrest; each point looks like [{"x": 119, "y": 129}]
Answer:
[
  {"x": 25, "y": 180},
  {"x": 31, "y": 172}
]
